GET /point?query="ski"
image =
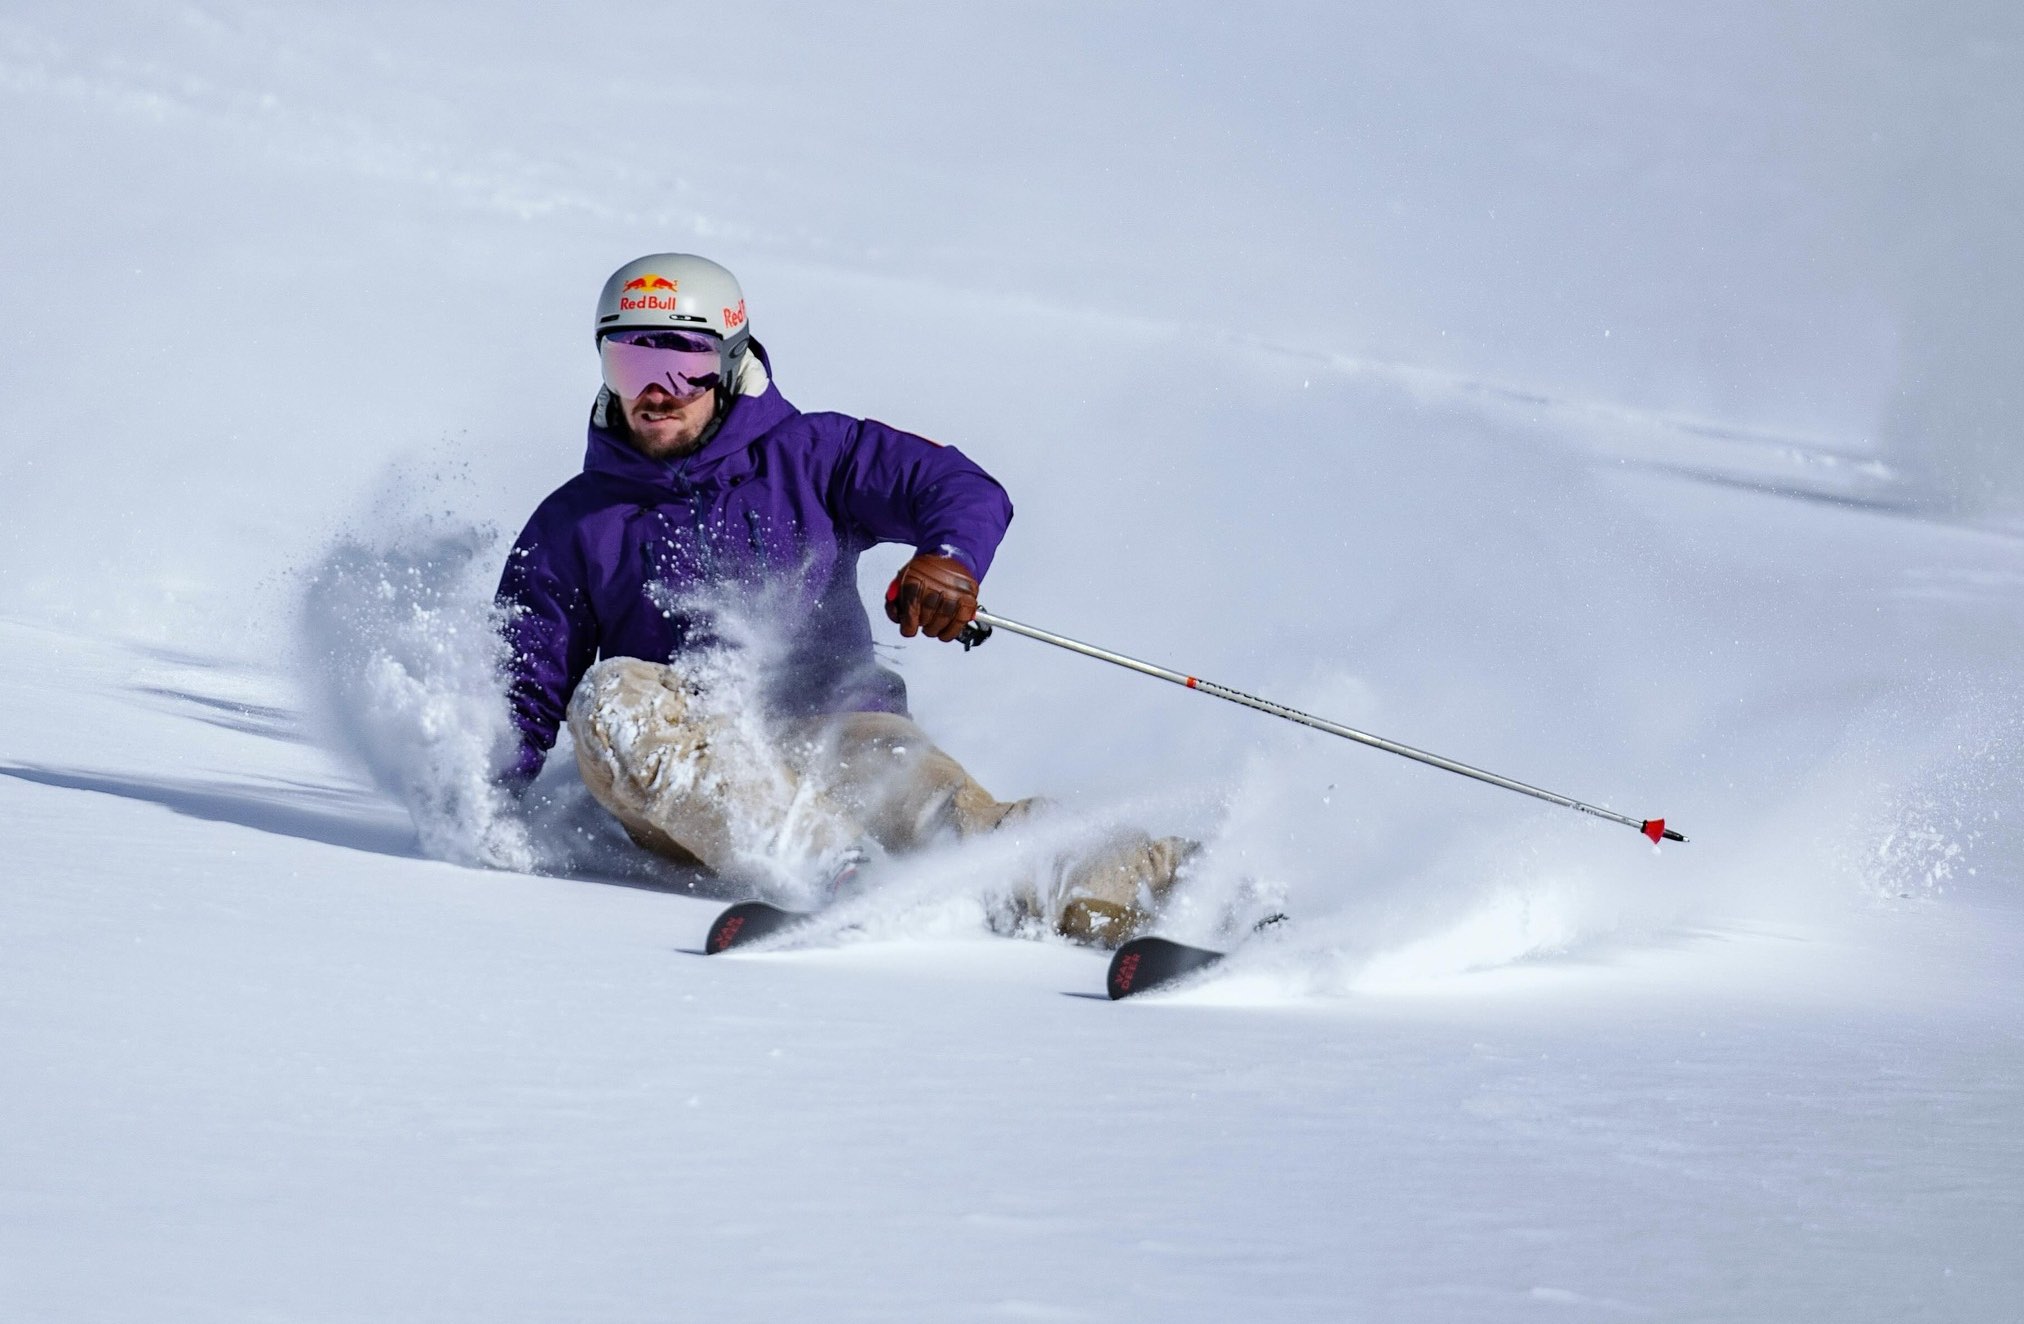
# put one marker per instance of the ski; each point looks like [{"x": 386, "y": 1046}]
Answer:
[
  {"x": 1140, "y": 966},
  {"x": 1149, "y": 963},
  {"x": 746, "y": 922}
]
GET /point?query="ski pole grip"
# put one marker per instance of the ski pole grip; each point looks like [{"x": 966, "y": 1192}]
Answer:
[{"x": 975, "y": 633}]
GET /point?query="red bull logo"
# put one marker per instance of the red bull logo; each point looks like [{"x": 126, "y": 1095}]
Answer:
[
  {"x": 656, "y": 294},
  {"x": 734, "y": 317}
]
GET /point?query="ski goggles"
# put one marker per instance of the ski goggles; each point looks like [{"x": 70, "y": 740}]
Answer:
[{"x": 685, "y": 364}]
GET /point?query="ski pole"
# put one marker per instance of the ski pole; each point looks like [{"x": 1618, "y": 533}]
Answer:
[{"x": 980, "y": 629}]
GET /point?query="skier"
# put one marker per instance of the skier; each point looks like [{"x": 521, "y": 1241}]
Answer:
[{"x": 688, "y": 604}]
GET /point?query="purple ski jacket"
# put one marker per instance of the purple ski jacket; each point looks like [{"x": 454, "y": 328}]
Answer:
[{"x": 769, "y": 516}]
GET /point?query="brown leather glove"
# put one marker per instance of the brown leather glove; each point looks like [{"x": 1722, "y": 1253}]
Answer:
[{"x": 932, "y": 595}]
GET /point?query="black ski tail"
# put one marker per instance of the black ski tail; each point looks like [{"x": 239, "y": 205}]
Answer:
[
  {"x": 746, "y": 922},
  {"x": 1144, "y": 964}
]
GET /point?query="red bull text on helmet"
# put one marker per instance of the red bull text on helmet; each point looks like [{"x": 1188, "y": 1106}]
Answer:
[
  {"x": 650, "y": 300},
  {"x": 649, "y": 285}
]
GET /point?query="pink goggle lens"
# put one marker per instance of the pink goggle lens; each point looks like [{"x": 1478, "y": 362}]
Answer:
[{"x": 681, "y": 363}]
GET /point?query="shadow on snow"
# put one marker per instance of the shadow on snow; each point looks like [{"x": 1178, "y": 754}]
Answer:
[{"x": 288, "y": 809}]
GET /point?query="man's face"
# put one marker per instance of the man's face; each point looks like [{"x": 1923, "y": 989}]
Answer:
[{"x": 663, "y": 427}]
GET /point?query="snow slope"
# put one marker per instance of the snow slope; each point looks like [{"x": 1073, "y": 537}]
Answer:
[{"x": 1610, "y": 398}]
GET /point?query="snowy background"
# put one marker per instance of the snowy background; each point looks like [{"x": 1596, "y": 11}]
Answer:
[{"x": 1620, "y": 397}]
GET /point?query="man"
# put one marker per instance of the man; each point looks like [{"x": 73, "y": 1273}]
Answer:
[{"x": 708, "y": 555}]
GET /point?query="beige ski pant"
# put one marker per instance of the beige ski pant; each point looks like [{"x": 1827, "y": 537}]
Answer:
[{"x": 787, "y": 806}]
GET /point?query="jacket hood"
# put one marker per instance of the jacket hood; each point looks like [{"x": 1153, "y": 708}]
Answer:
[{"x": 755, "y": 408}]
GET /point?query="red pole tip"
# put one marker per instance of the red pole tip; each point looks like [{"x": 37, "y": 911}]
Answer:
[{"x": 1655, "y": 828}]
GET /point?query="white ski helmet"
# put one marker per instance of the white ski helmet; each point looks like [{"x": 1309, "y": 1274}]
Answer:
[{"x": 677, "y": 290}]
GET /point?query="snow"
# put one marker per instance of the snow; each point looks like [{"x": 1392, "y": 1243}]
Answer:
[{"x": 1616, "y": 399}]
